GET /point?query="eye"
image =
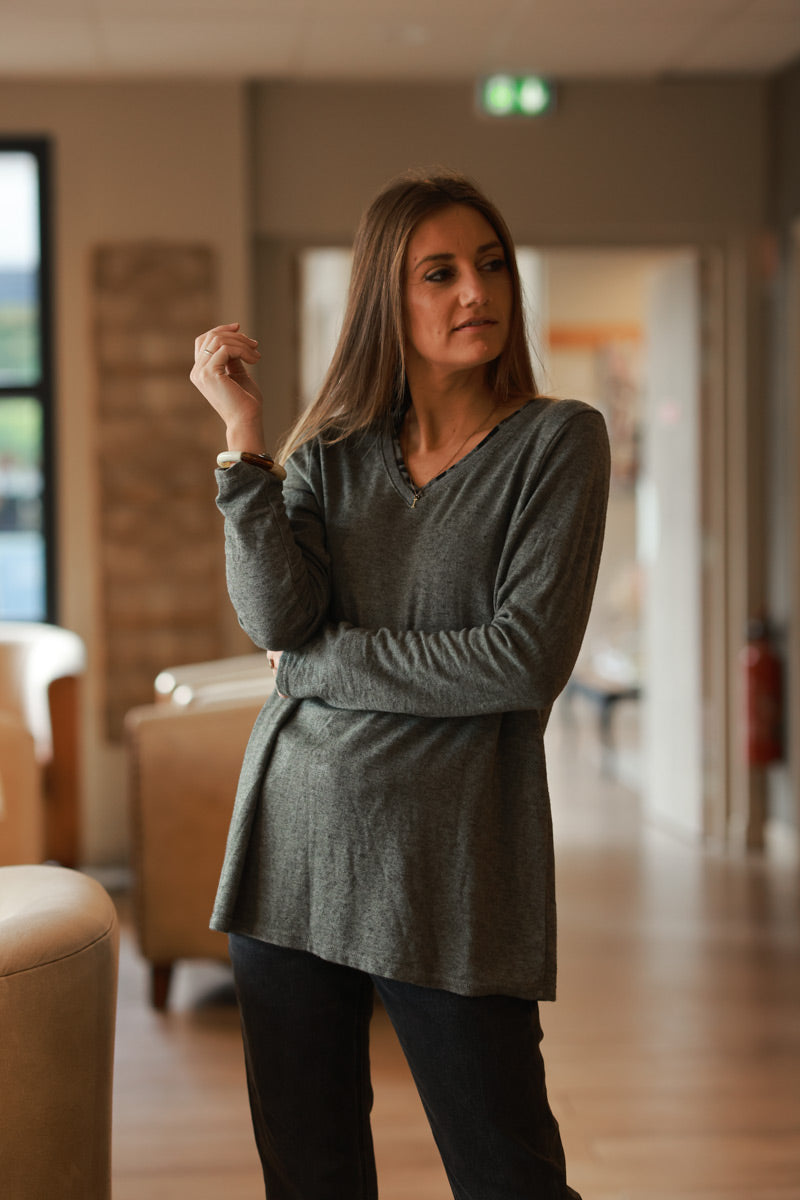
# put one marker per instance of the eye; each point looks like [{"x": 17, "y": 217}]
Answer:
[
  {"x": 439, "y": 275},
  {"x": 493, "y": 264}
]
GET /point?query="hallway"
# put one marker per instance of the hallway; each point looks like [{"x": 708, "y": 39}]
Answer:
[
  {"x": 674, "y": 1048},
  {"x": 673, "y": 1051}
]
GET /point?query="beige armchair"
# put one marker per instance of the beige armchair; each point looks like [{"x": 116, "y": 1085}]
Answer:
[
  {"x": 184, "y": 760},
  {"x": 40, "y": 676},
  {"x": 59, "y": 948},
  {"x": 21, "y": 810},
  {"x": 239, "y": 678}
]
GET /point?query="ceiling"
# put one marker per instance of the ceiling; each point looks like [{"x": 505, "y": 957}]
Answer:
[{"x": 385, "y": 40}]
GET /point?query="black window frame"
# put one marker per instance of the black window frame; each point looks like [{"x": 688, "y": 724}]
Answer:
[{"x": 44, "y": 390}]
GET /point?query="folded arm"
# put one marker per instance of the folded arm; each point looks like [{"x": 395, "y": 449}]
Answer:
[{"x": 522, "y": 657}]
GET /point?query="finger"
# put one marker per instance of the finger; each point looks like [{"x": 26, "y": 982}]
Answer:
[
  {"x": 232, "y": 327},
  {"x": 204, "y": 338},
  {"x": 229, "y": 337},
  {"x": 227, "y": 359},
  {"x": 236, "y": 368},
  {"x": 230, "y": 348},
  {"x": 221, "y": 333}
]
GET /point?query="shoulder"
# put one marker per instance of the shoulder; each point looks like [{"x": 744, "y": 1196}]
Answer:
[
  {"x": 551, "y": 413},
  {"x": 560, "y": 444},
  {"x": 547, "y": 423}
]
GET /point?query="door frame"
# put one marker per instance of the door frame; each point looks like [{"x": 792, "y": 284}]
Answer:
[{"x": 732, "y": 457}]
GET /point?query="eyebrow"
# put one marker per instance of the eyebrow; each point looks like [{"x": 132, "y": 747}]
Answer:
[{"x": 447, "y": 256}]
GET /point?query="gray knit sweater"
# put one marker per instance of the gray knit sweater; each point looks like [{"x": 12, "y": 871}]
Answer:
[{"x": 393, "y": 812}]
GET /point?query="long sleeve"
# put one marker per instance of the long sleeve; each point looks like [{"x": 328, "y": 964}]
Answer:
[
  {"x": 519, "y": 659},
  {"x": 277, "y": 569}
]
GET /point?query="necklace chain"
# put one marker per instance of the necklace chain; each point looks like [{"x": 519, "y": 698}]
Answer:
[{"x": 455, "y": 454}]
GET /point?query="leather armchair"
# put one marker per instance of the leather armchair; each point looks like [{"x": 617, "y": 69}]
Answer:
[
  {"x": 184, "y": 762},
  {"x": 21, "y": 810},
  {"x": 223, "y": 679},
  {"x": 59, "y": 954},
  {"x": 40, "y": 677}
]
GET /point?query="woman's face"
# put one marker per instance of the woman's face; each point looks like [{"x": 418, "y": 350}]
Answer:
[{"x": 457, "y": 293}]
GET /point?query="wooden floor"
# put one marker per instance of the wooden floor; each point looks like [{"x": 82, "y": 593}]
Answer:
[{"x": 673, "y": 1050}]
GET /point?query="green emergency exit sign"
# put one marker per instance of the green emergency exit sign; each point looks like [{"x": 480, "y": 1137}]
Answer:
[{"x": 515, "y": 96}]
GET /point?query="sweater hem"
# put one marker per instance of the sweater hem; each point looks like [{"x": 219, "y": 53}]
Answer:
[{"x": 399, "y": 972}]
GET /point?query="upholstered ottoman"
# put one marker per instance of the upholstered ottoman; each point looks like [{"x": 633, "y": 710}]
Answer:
[{"x": 59, "y": 947}]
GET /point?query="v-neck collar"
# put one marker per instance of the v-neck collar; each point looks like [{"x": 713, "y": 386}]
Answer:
[{"x": 398, "y": 471}]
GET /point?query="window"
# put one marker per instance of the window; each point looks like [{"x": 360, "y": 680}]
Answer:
[{"x": 26, "y": 483}]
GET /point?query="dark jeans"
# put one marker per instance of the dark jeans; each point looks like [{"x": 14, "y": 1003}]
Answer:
[{"x": 475, "y": 1060}]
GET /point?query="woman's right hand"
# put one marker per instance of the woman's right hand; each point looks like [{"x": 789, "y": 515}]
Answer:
[{"x": 220, "y": 374}]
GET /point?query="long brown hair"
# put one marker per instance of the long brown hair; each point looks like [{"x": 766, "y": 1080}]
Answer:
[{"x": 366, "y": 381}]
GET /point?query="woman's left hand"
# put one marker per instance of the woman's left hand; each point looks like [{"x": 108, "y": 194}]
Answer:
[
  {"x": 273, "y": 658},
  {"x": 220, "y": 374}
]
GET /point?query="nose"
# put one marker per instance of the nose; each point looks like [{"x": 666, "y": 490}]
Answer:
[{"x": 473, "y": 289}]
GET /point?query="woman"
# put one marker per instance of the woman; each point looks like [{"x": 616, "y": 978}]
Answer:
[{"x": 422, "y": 581}]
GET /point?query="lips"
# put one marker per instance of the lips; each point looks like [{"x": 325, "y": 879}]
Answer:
[{"x": 476, "y": 323}]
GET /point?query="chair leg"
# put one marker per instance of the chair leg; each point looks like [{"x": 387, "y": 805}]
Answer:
[
  {"x": 62, "y": 775},
  {"x": 160, "y": 979}
]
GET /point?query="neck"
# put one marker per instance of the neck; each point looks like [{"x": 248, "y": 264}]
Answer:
[
  {"x": 442, "y": 409},
  {"x": 434, "y": 437}
]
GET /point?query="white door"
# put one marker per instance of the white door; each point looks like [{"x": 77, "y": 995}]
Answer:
[{"x": 670, "y": 549}]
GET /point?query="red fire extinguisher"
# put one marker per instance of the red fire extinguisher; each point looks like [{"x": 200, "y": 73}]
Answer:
[{"x": 763, "y": 694}]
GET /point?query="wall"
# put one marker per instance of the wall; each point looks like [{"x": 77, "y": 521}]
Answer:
[
  {"x": 617, "y": 163},
  {"x": 131, "y": 162},
  {"x": 782, "y": 302},
  {"x": 613, "y": 160},
  {"x": 785, "y": 179},
  {"x": 671, "y": 536}
]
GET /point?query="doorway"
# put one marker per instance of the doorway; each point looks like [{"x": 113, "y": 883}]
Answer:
[{"x": 620, "y": 328}]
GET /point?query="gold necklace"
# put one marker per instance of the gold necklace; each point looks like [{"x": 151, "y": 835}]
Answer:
[{"x": 418, "y": 491}]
